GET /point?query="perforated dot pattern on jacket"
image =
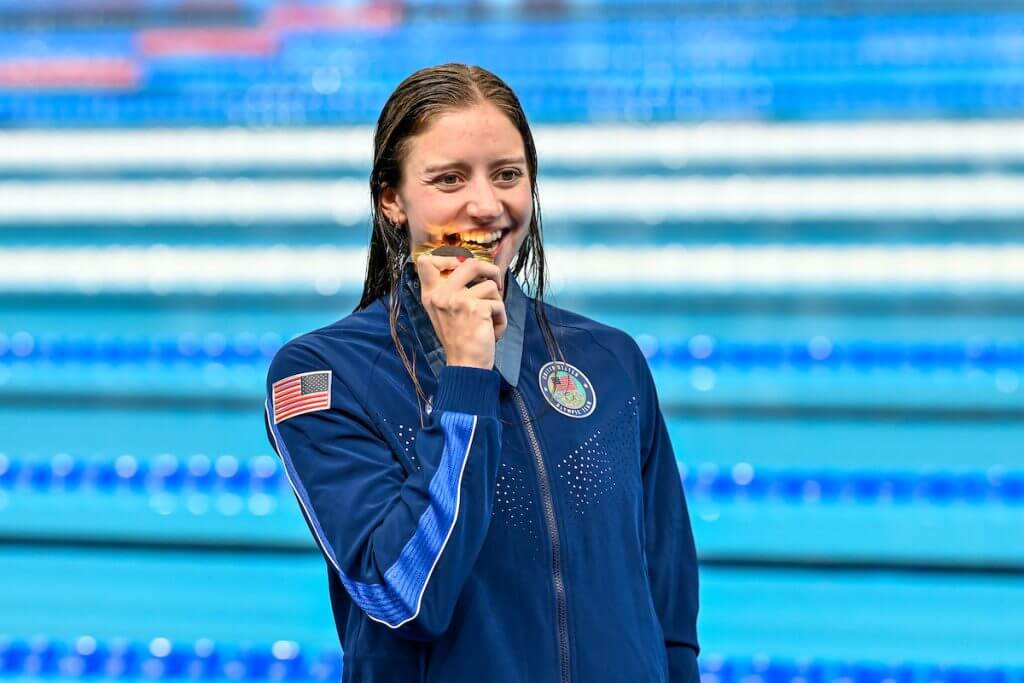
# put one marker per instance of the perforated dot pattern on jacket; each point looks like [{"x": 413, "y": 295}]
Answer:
[
  {"x": 405, "y": 435},
  {"x": 515, "y": 505},
  {"x": 599, "y": 465}
]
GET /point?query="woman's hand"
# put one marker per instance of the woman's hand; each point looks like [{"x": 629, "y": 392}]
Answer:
[{"x": 468, "y": 320}]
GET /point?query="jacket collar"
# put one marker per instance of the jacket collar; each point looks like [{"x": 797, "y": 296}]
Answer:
[{"x": 508, "y": 353}]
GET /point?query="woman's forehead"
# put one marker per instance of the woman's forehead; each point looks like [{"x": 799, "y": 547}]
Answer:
[{"x": 481, "y": 133}]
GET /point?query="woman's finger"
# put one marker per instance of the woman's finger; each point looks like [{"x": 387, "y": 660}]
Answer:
[
  {"x": 498, "y": 317},
  {"x": 486, "y": 289},
  {"x": 497, "y": 311},
  {"x": 428, "y": 272},
  {"x": 470, "y": 269},
  {"x": 431, "y": 269}
]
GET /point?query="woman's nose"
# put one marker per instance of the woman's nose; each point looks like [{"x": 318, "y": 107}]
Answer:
[{"x": 483, "y": 202}]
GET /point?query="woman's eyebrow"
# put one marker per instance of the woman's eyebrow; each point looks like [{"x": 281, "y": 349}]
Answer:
[
  {"x": 508, "y": 160},
  {"x": 462, "y": 165}
]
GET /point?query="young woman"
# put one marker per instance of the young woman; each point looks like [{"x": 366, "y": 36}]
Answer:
[{"x": 489, "y": 477}]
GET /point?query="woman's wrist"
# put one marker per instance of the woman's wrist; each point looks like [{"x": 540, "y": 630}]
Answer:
[{"x": 476, "y": 364}]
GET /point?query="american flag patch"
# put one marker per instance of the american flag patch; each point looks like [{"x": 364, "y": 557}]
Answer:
[
  {"x": 303, "y": 393},
  {"x": 563, "y": 382}
]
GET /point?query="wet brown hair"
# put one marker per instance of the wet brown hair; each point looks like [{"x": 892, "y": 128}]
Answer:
[{"x": 412, "y": 107}]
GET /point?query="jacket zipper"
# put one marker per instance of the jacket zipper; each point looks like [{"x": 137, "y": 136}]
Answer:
[{"x": 561, "y": 607}]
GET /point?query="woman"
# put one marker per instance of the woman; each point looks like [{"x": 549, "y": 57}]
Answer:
[{"x": 489, "y": 477}]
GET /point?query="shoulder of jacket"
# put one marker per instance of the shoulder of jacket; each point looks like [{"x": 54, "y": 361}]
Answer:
[
  {"x": 618, "y": 344},
  {"x": 611, "y": 338},
  {"x": 349, "y": 346}
]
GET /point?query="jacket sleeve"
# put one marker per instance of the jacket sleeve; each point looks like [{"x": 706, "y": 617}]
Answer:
[
  {"x": 671, "y": 554},
  {"x": 402, "y": 544}
]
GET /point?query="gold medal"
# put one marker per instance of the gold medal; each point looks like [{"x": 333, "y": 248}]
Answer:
[{"x": 454, "y": 248}]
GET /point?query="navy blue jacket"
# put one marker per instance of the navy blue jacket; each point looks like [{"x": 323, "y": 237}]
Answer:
[{"x": 534, "y": 528}]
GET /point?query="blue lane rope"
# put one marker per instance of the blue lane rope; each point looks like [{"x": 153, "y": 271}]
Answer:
[
  {"x": 87, "y": 657},
  {"x": 165, "y": 473},
  {"x": 819, "y": 350},
  {"x": 166, "y": 348},
  {"x": 743, "y": 481},
  {"x": 700, "y": 349},
  {"x": 199, "y": 473}
]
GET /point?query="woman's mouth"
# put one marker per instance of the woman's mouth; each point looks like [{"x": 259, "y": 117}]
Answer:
[
  {"x": 488, "y": 240},
  {"x": 476, "y": 243}
]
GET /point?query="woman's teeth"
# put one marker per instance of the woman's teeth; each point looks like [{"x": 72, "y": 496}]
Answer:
[{"x": 481, "y": 237}]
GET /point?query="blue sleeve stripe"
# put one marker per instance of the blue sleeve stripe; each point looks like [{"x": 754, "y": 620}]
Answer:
[{"x": 398, "y": 600}]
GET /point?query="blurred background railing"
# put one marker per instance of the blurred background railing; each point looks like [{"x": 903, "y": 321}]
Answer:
[{"x": 808, "y": 213}]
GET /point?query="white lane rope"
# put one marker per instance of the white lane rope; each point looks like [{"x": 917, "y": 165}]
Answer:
[
  {"x": 651, "y": 199},
  {"x": 670, "y": 144},
  {"x": 329, "y": 270}
]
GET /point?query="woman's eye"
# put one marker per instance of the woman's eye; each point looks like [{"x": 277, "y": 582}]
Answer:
[
  {"x": 449, "y": 179},
  {"x": 510, "y": 174}
]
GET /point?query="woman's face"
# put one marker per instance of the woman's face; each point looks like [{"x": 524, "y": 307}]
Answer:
[{"x": 466, "y": 175}]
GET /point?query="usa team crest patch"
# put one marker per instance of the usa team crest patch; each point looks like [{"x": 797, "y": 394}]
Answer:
[
  {"x": 303, "y": 393},
  {"x": 567, "y": 389}
]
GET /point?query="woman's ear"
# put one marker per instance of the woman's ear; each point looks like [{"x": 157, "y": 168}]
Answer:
[{"x": 391, "y": 206}]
